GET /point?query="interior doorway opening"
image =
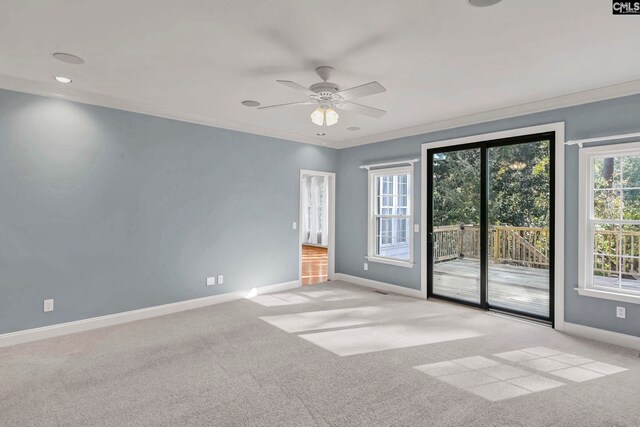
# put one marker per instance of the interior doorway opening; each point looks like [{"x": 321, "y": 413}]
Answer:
[{"x": 317, "y": 212}]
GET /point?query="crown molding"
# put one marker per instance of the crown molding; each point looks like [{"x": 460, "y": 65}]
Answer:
[
  {"x": 578, "y": 98},
  {"x": 91, "y": 98}
]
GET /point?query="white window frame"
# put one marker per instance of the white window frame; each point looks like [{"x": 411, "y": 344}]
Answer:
[
  {"x": 371, "y": 250},
  {"x": 586, "y": 222}
]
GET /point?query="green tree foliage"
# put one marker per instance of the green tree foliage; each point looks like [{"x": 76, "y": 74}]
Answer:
[
  {"x": 519, "y": 186},
  {"x": 456, "y": 195},
  {"x": 617, "y": 188}
]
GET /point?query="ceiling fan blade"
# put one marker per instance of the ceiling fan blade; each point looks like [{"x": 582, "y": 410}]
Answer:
[
  {"x": 361, "y": 109},
  {"x": 363, "y": 90},
  {"x": 287, "y": 104},
  {"x": 296, "y": 86}
]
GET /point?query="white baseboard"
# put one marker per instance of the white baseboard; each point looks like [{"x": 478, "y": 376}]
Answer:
[
  {"x": 60, "y": 329},
  {"x": 609, "y": 337},
  {"x": 381, "y": 286}
]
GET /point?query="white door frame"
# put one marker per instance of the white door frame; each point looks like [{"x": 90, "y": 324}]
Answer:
[
  {"x": 558, "y": 128},
  {"x": 332, "y": 222}
]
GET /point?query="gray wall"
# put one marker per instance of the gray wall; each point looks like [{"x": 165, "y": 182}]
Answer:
[
  {"x": 107, "y": 211},
  {"x": 597, "y": 119}
]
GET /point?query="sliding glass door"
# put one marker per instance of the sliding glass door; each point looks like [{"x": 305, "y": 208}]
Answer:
[
  {"x": 455, "y": 217},
  {"x": 519, "y": 215},
  {"x": 490, "y": 224}
]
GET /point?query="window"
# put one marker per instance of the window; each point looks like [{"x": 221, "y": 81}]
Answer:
[
  {"x": 391, "y": 216},
  {"x": 610, "y": 222}
]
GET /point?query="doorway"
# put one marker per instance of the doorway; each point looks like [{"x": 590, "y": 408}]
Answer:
[
  {"x": 317, "y": 219},
  {"x": 490, "y": 226}
]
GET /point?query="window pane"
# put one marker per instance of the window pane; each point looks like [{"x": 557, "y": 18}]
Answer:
[
  {"x": 631, "y": 171},
  {"x": 403, "y": 188},
  {"x": 402, "y": 230},
  {"x": 616, "y": 259},
  {"x": 383, "y": 232},
  {"x": 393, "y": 199},
  {"x": 607, "y": 204},
  {"x": 630, "y": 274},
  {"x": 606, "y": 173},
  {"x": 606, "y": 238},
  {"x": 630, "y": 241},
  {"x": 631, "y": 209},
  {"x": 605, "y": 271},
  {"x": 393, "y": 238},
  {"x": 606, "y": 265}
]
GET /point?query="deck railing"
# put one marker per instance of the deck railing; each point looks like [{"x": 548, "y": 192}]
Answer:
[
  {"x": 524, "y": 246},
  {"x": 617, "y": 248},
  {"x": 529, "y": 247}
]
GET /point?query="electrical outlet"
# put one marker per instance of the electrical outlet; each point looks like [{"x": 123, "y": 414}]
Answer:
[
  {"x": 416, "y": 228},
  {"x": 621, "y": 312},
  {"x": 295, "y": 225},
  {"x": 48, "y": 305},
  {"x": 211, "y": 281},
  {"x": 220, "y": 279},
  {"x": 366, "y": 266}
]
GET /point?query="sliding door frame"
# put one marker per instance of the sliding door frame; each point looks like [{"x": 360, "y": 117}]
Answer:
[
  {"x": 556, "y": 297},
  {"x": 484, "y": 148}
]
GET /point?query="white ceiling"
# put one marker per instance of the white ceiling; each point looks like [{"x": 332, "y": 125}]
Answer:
[{"x": 442, "y": 62}]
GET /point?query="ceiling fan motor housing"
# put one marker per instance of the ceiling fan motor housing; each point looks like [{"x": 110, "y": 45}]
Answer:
[
  {"x": 325, "y": 87},
  {"x": 326, "y": 93}
]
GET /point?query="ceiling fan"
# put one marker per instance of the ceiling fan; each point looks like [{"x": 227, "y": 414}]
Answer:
[{"x": 328, "y": 96}]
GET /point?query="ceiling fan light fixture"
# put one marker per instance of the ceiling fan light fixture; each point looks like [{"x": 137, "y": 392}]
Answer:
[
  {"x": 324, "y": 115},
  {"x": 330, "y": 116},
  {"x": 317, "y": 117}
]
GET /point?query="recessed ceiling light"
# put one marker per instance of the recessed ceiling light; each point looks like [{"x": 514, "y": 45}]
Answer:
[
  {"x": 68, "y": 58},
  {"x": 61, "y": 79},
  {"x": 353, "y": 128},
  {"x": 483, "y": 3},
  {"x": 320, "y": 134},
  {"x": 250, "y": 103}
]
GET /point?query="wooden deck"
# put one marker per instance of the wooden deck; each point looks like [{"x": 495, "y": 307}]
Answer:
[{"x": 516, "y": 288}]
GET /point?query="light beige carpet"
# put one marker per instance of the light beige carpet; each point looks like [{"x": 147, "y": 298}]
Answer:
[{"x": 327, "y": 355}]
